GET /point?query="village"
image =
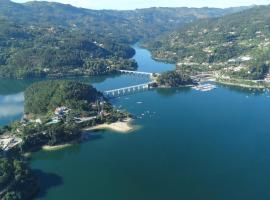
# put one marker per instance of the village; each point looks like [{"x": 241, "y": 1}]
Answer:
[{"x": 13, "y": 138}]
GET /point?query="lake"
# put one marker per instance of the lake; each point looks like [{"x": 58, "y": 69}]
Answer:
[{"x": 188, "y": 145}]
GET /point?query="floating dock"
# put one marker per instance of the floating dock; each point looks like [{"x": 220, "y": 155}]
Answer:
[{"x": 204, "y": 87}]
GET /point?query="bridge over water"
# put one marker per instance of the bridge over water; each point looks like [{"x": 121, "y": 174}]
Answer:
[
  {"x": 132, "y": 89},
  {"x": 137, "y": 73}
]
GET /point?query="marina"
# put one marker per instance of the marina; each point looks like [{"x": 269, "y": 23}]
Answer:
[{"x": 204, "y": 87}]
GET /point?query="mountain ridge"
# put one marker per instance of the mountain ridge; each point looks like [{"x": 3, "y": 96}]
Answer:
[
  {"x": 42, "y": 38},
  {"x": 235, "y": 45}
]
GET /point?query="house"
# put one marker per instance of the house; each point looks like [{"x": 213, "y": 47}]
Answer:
[{"x": 61, "y": 110}]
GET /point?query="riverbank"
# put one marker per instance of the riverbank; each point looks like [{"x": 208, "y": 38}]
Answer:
[
  {"x": 120, "y": 126},
  {"x": 243, "y": 83},
  {"x": 56, "y": 147}
]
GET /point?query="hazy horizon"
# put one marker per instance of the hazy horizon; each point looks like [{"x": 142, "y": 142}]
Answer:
[{"x": 140, "y": 4}]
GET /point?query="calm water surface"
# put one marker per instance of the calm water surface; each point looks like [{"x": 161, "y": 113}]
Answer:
[{"x": 190, "y": 145}]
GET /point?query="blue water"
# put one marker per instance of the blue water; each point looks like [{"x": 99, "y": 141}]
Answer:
[
  {"x": 147, "y": 64},
  {"x": 188, "y": 145}
]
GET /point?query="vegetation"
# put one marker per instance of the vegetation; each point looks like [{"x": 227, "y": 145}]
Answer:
[
  {"x": 39, "y": 39},
  {"x": 123, "y": 26},
  {"x": 100, "y": 66},
  {"x": 42, "y": 97},
  {"x": 55, "y": 113},
  {"x": 28, "y": 52},
  {"x": 236, "y": 46},
  {"x": 174, "y": 79},
  {"x": 16, "y": 181}
]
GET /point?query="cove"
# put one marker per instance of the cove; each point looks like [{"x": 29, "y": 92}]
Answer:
[{"x": 190, "y": 145}]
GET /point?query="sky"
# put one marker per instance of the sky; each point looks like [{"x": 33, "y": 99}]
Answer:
[{"x": 133, "y": 4}]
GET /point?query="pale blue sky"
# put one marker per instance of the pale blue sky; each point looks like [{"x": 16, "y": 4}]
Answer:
[{"x": 132, "y": 4}]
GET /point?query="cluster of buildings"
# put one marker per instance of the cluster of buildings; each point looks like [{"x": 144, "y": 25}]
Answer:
[
  {"x": 59, "y": 113},
  {"x": 8, "y": 142}
]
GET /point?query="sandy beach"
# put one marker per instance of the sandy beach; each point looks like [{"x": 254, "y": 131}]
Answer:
[
  {"x": 121, "y": 126},
  {"x": 56, "y": 147}
]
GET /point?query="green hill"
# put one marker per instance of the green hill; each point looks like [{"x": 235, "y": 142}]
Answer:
[
  {"x": 34, "y": 51},
  {"x": 126, "y": 26},
  {"x": 42, "y": 97},
  {"x": 39, "y": 39},
  {"x": 236, "y": 45}
]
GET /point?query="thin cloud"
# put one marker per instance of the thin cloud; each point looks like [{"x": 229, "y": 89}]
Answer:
[
  {"x": 10, "y": 110},
  {"x": 15, "y": 98}
]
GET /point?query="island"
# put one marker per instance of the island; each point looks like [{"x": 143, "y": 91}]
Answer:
[
  {"x": 174, "y": 79},
  {"x": 57, "y": 112}
]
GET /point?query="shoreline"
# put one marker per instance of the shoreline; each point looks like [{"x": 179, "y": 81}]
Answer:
[
  {"x": 56, "y": 147},
  {"x": 242, "y": 85},
  {"x": 119, "y": 126},
  {"x": 122, "y": 127}
]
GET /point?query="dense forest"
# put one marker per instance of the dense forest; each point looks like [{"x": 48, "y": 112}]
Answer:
[
  {"x": 125, "y": 26},
  {"x": 236, "y": 45},
  {"x": 174, "y": 79},
  {"x": 40, "y": 51},
  {"x": 45, "y": 96},
  {"x": 17, "y": 182},
  {"x": 39, "y": 39}
]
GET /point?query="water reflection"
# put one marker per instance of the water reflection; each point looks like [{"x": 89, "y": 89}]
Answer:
[
  {"x": 11, "y": 107},
  {"x": 9, "y": 87},
  {"x": 243, "y": 90},
  {"x": 173, "y": 91},
  {"x": 15, "y": 98},
  {"x": 49, "y": 180}
]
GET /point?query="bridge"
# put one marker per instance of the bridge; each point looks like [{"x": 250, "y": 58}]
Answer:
[
  {"x": 149, "y": 74},
  {"x": 127, "y": 90},
  {"x": 135, "y": 88}
]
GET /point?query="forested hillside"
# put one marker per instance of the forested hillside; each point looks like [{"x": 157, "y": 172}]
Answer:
[
  {"x": 126, "y": 26},
  {"x": 39, "y": 39},
  {"x": 43, "y": 97},
  {"x": 236, "y": 45},
  {"x": 16, "y": 180},
  {"x": 34, "y": 51}
]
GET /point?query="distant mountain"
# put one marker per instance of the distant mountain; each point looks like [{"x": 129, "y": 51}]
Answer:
[
  {"x": 40, "y": 38},
  {"x": 127, "y": 26},
  {"x": 236, "y": 45}
]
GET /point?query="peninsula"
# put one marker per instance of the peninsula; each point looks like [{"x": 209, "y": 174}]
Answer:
[{"x": 56, "y": 113}]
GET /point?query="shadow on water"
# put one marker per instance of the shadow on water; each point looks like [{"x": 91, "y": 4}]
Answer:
[
  {"x": 47, "y": 181},
  {"x": 169, "y": 92},
  {"x": 61, "y": 153},
  {"x": 93, "y": 79},
  {"x": 247, "y": 91},
  {"x": 8, "y": 86},
  {"x": 93, "y": 135},
  {"x": 11, "y": 86}
]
